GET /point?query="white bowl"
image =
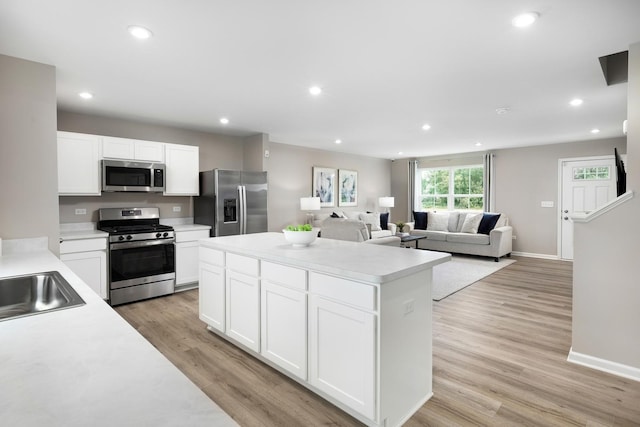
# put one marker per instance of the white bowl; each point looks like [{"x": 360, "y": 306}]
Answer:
[{"x": 300, "y": 238}]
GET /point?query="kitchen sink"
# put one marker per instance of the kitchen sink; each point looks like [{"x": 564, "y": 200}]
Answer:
[{"x": 35, "y": 294}]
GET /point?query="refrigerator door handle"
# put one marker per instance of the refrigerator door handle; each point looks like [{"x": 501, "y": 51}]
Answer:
[{"x": 242, "y": 201}]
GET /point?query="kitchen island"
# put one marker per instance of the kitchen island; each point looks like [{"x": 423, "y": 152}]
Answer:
[
  {"x": 86, "y": 366},
  {"x": 349, "y": 321}
]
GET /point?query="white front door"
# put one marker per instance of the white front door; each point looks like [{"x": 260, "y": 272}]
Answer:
[{"x": 586, "y": 186}]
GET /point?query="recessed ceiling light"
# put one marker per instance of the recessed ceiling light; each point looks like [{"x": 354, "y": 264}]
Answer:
[
  {"x": 139, "y": 32},
  {"x": 338, "y": 141},
  {"x": 525, "y": 19},
  {"x": 502, "y": 110},
  {"x": 426, "y": 126},
  {"x": 400, "y": 153},
  {"x": 315, "y": 90},
  {"x": 478, "y": 144},
  {"x": 224, "y": 121},
  {"x": 595, "y": 130},
  {"x": 85, "y": 95},
  {"x": 576, "y": 102}
]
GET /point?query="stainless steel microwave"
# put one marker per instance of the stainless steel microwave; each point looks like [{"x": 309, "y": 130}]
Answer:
[{"x": 124, "y": 175}]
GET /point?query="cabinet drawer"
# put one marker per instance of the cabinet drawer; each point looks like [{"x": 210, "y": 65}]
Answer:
[
  {"x": 212, "y": 256},
  {"x": 83, "y": 245},
  {"x": 191, "y": 236},
  {"x": 243, "y": 264},
  {"x": 284, "y": 275},
  {"x": 347, "y": 291}
]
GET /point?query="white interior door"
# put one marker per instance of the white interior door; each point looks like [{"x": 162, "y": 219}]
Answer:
[{"x": 586, "y": 185}]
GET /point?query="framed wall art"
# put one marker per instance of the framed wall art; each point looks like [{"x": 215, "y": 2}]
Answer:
[
  {"x": 347, "y": 188},
  {"x": 324, "y": 184}
]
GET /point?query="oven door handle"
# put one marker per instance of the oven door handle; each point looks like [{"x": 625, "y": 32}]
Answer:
[{"x": 141, "y": 244}]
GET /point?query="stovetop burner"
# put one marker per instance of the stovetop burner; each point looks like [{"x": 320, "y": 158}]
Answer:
[
  {"x": 130, "y": 229},
  {"x": 133, "y": 224}
]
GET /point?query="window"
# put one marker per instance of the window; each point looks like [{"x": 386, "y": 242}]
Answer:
[
  {"x": 593, "y": 173},
  {"x": 460, "y": 187}
]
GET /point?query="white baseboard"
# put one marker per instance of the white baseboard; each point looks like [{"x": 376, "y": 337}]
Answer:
[
  {"x": 608, "y": 366},
  {"x": 532, "y": 255}
]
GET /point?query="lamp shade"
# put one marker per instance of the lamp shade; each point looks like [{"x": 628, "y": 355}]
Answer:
[
  {"x": 310, "y": 203},
  {"x": 386, "y": 202}
]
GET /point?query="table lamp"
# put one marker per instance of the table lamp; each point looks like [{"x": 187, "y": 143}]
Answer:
[
  {"x": 386, "y": 202},
  {"x": 309, "y": 204}
]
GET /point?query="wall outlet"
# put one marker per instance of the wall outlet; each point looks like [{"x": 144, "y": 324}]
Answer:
[
  {"x": 177, "y": 208},
  {"x": 408, "y": 306},
  {"x": 513, "y": 237},
  {"x": 266, "y": 154},
  {"x": 547, "y": 204},
  {"x": 81, "y": 211}
]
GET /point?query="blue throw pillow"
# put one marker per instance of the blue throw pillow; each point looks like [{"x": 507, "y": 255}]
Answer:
[
  {"x": 488, "y": 222},
  {"x": 384, "y": 221},
  {"x": 420, "y": 219}
]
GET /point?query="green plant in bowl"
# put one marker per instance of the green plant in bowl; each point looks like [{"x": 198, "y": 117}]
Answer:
[{"x": 303, "y": 227}]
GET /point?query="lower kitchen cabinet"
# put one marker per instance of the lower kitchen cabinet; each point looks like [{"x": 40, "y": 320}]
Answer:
[
  {"x": 212, "y": 288},
  {"x": 243, "y": 309},
  {"x": 88, "y": 259},
  {"x": 342, "y": 353},
  {"x": 187, "y": 257},
  {"x": 284, "y": 317}
]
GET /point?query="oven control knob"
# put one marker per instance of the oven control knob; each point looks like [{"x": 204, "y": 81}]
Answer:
[
  {"x": 120, "y": 237},
  {"x": 165, "y": 234},
  {"x": 129, "y": 237},
  {"x": 158, "y": 235}
]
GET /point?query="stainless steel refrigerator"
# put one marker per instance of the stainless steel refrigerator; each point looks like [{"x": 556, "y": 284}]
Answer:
[{"x": 232, "y": 202}]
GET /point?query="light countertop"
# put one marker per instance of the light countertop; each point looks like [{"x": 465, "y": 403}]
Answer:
[
  {"x": 87, "y": 366},
  {"x": 358, "y": 261},
  {"x": 190, "y": 227}
]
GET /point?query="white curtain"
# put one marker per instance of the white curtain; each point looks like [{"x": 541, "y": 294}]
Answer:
[
  {"x": 413, "y": 171},
  {"x": 489, "y": 182}
]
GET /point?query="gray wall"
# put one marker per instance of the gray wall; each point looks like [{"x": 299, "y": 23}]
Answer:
[
  {"x": 289, "y": 169},
  {"x": 216, "y": 151},
  {"x": 28, "y": 151},
  {"x": 524, "y": 177},
  {"x": 606, "y": 295},
  {"x": 290, "y": 172}
]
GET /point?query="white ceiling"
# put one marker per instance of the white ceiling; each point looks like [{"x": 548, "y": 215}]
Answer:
[{"x": 386, "y": 68}]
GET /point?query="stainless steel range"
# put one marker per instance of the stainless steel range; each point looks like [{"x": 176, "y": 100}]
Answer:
[{"x": 141, "y": 254}]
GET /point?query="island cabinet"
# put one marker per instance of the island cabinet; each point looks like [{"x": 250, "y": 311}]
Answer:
[{"x": 350, "y": 322}]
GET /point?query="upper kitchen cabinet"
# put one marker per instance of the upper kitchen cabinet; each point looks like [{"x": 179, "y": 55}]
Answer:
[
  {"x": 132, "y": 149},
  {"x": 182, "y": 168},
  {"x": 79, "y": 164}
]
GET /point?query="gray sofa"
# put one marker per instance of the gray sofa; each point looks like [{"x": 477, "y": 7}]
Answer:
[
  {"x": 354, "y": 230},
  {"x": 446, "y": 234}
]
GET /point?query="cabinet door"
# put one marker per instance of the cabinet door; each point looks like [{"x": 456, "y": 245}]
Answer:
[
  {"x": 182, "y": 168},
  {"x": 342, "y": 348},
  {"x": 243, "y": 309},
  {"x": 91, "y": 267},
  {"x": 148, "y": 151},
  {"x": 284, "y": 327},
  {"x": 78, "y": 164},
  {"x": 212, "y": 295},
  {"x": 117, "y": 148},
  {"x": 186, "y": 262}
]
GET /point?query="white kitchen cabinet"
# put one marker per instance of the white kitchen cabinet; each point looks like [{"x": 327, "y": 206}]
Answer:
[
  {"x": 212, "y": 288},
  {"x": 342, "y": 353},
  {"x": 182, "y": 168},
  {"x": 79, "y": 164},
  {"x": 284, "y": 317},
  {"x": 243, "y": 300},
  {"x": 88, "y": 259},
  {"x": 132, "y": 149},
  {"x": 187, "y": 257}
]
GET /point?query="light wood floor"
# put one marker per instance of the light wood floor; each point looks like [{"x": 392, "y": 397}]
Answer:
[{"x": 500, "y": 349}]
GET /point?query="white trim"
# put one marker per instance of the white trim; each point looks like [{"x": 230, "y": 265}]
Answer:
[
  {"x": 603, "y": 365},
  {"x": 534, "y": 255},
  {"x": 603, "y": 209},
  {"x": 559, "y": 203}
]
